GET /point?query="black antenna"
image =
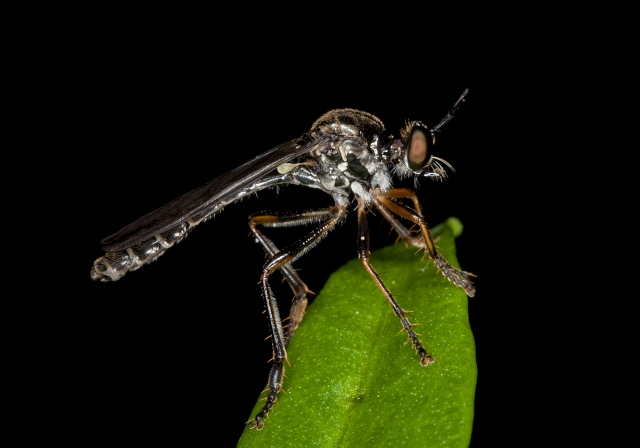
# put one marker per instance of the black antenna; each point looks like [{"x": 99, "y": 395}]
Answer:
[{"x": 453, "y": 110}]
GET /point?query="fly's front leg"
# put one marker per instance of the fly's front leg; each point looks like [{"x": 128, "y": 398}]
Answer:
[
  {"x": 363, "y": 254},
  {"x": 282, "y": 260},
  {"x": 386, "y": 205}
]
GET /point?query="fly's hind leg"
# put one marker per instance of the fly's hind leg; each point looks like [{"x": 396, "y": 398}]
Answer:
[
  {"x": 299, "y": 288},
  {"x": 282, "y": 260}
]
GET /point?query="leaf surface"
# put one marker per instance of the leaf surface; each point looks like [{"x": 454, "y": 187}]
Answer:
[{"x": 356, "y": 381}]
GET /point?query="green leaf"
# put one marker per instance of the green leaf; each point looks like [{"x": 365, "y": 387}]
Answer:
[{"x": 356, "y": 381}]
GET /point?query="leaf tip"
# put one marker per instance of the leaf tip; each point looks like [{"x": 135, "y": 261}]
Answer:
[{"x": 455, "y": 225}]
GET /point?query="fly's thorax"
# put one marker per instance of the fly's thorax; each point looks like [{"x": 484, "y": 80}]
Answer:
[
  {"x": 350, "y": 151},
  {"x": 348, "y": 160},
  {"x": 349, "y": 122},
  {"x": 357, "y": 162}
]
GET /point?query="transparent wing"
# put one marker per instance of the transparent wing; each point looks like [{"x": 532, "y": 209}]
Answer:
[{"x": 205, "y": 197}]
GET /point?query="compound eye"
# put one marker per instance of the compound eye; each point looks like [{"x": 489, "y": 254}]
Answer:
[{"x": 417, "y": 155}]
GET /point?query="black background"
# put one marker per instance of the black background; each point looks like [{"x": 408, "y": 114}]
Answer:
[{"x": 176, "y": 351}]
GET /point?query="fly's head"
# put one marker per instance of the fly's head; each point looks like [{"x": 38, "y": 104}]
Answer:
[{"x": 410, "y": 155}]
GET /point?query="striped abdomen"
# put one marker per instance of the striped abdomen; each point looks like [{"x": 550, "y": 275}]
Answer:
[{"x": 113, "y": 265}]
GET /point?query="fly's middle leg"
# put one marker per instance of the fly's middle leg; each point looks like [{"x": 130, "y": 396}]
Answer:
[{"x": 363, "y": 254}]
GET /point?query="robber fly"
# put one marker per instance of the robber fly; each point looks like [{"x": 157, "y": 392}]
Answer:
[{"x": 344, "y": 154}]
